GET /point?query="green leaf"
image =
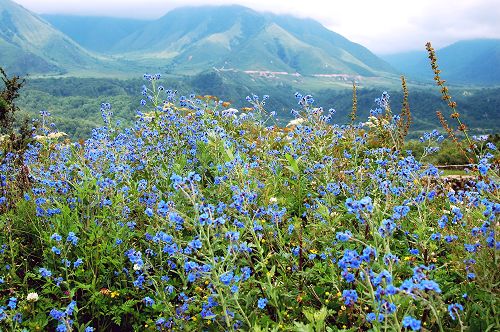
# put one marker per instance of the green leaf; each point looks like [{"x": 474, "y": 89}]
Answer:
[
  {"x": 294, "y": 166},
  {"x": 229, "y": 154},
  {"x": 301, "y": 327},
  {"x": 323, "y": 210},
  {"x": 272, "y": 272}
]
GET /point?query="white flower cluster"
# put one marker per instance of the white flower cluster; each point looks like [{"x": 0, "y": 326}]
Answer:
[
  {"x": 50, "y": 136},
  {"x": 296, "y": 122},
  {"x": 375, "y": 122},
  {"x": 32, "y": 297}
]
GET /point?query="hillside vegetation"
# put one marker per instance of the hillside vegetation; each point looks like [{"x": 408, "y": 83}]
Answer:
[{"x": 74, "y": 102}]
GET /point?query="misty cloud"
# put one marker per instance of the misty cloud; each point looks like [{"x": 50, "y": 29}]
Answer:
[{"x": 383, "y": 26}]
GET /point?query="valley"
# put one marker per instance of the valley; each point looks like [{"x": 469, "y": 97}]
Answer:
[{"x": 74, "y": 63}]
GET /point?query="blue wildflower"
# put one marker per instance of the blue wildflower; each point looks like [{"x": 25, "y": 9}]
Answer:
[
  {"x": 149, "y": 302},
  {"x": 350, "y": 297},
  {"x": 414, "y": 251},
  {"x": 44, "y": 272},
  {"x": 56, "y": 237},
  {"x": 262, "y": 302},
  {"x": 344, "y": 236},
  {"x": 77, "y": 263},
  {"x": 370, "y": 317},
  {"x": 226, "y": 278},
  {"x": 453, "y": 309},
  {"x": 149, "y": 212},
  {"x": 412, "y": 323},
  {"x": 56, "y": 250},
  {"x": 72, "y": 238},
  {"x": 56, "y": 314},
  {"x": 12, "y": 303}
]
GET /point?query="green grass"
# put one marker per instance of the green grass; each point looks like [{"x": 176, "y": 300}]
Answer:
[{"x": 448, "y": 172}]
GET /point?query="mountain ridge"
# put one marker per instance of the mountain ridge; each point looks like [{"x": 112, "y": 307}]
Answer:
[
  {"x": 228, "y": 30},
  {"x": 472, "y": 61}
]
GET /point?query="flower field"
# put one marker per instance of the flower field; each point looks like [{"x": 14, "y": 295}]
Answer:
[{"x": 201, "y": 217}]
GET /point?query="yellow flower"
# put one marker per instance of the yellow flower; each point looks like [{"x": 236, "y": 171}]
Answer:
[{"x": 114, "y": 294}]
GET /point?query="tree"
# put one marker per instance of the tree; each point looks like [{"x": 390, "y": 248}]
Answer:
[
  {"x": 16, "y": 142},
  {"x": 7, "y": 100}
]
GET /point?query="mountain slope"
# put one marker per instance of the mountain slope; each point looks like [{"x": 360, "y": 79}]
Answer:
[
  {"x": 194, "y": 38},
  {"x": 317, "y": 35},
  {"x": 474, "y": 61},
  {"x": 97, "y": 34},
  {"x": 30, "y": 45}
]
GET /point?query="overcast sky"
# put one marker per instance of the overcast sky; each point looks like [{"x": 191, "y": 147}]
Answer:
[{"x": 384, "y": 26}]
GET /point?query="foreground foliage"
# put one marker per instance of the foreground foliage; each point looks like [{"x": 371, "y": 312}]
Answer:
[{"x": 203, "y": 218}]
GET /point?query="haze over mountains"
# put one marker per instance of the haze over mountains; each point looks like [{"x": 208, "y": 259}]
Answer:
[
  {"x": 469, "y": 61},
  {"x": 191, "y": 40},
  {"x": 96, "y": 34}
]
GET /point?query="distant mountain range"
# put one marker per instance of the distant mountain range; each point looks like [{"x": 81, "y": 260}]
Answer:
[
  {"x": 192, "y": 40},
  {"x": 468, "y": 62}
]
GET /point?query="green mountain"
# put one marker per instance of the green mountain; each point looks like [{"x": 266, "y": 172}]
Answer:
[
  {"x": 28, "y": 44},
  {"x": 97, "y": 34},
  {"x": 474, "y": 61},
  {"x": 192, "y": 39}
]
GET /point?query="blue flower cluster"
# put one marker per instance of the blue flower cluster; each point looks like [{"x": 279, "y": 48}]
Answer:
[{"x": 204, "y": 217}]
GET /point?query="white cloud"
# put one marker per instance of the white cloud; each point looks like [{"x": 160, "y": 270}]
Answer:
[{"x": 383, "y": 26}]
